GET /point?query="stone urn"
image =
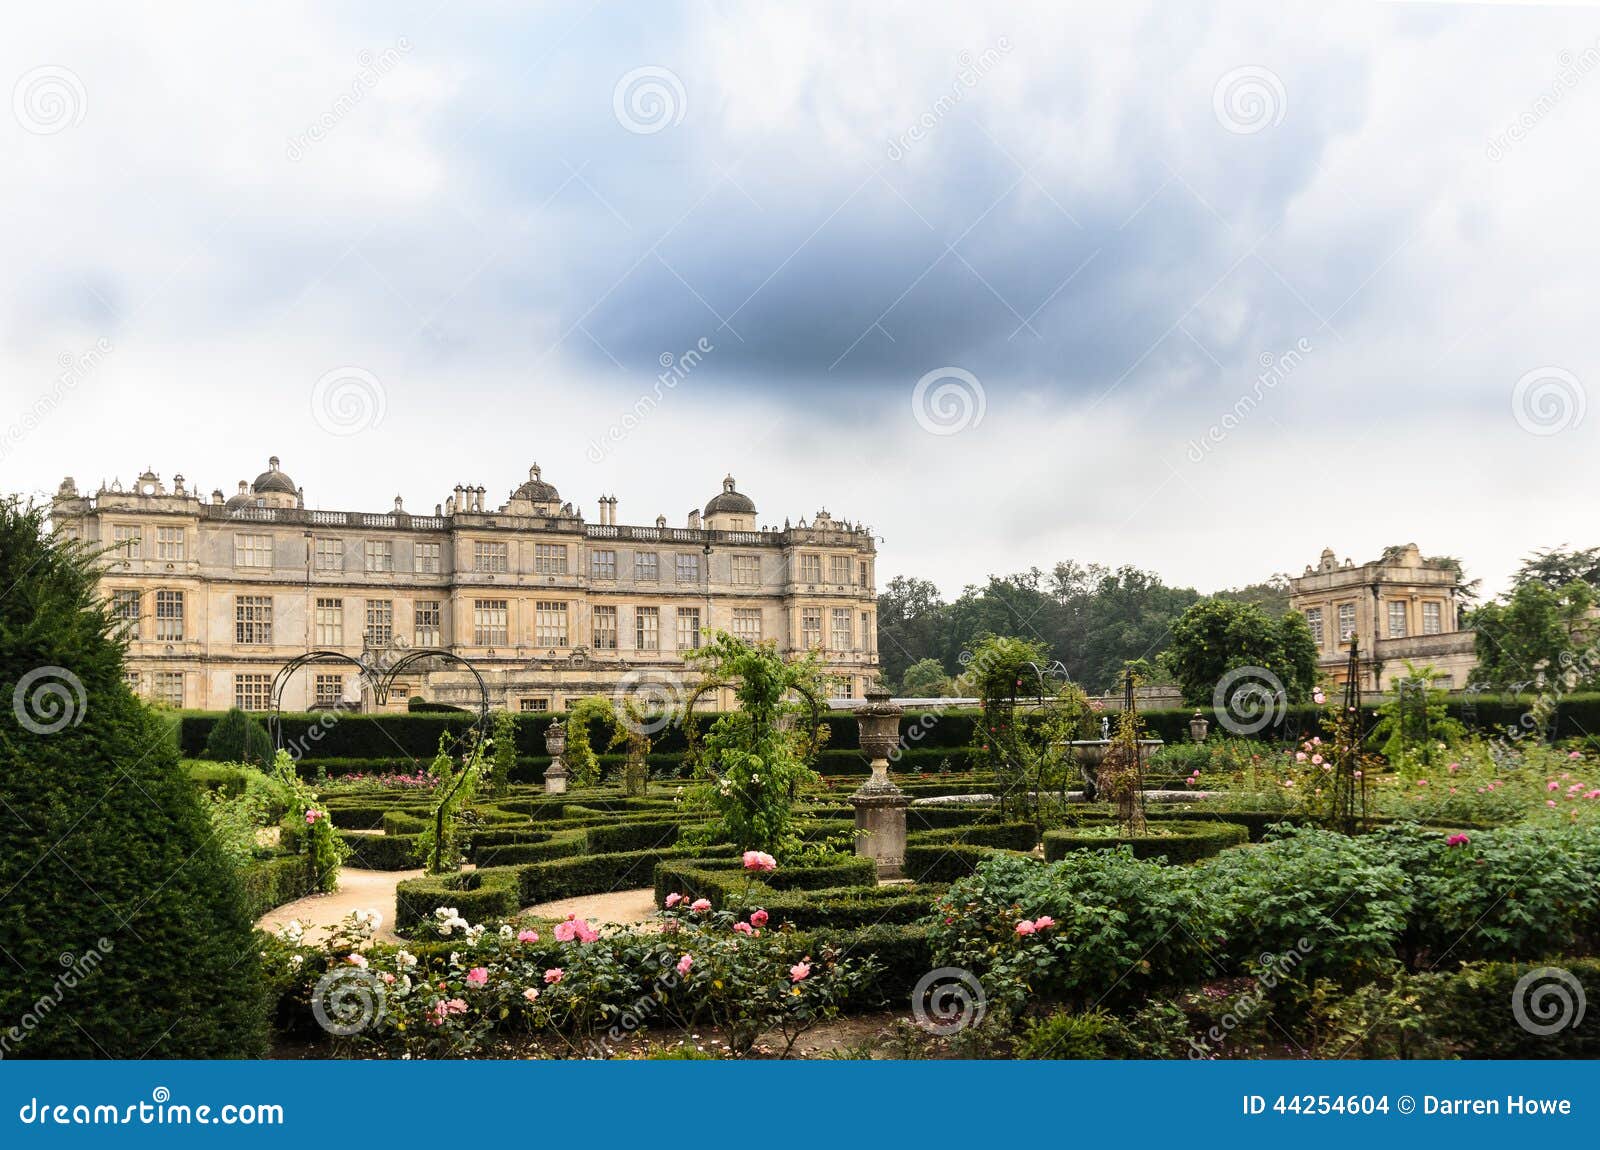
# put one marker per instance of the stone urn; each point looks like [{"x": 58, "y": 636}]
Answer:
[
  {"x": 555, "y": 741},
  {"x": 880, "y": 805}
]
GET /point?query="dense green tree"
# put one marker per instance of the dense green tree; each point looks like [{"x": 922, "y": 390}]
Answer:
[
  {"x": 912, "y": 621},
  {"x": 1271, "y": 595},
  {"x": 239, "y": 738},
  {"x": 1110, "y": 618},
  {"x": 925, "y": 679},
  {"x": 1556, "y": 567},
  {"x": 1537, "y": 634},
  {"x": 123, "y": 927},
  {"x": 1217, "y": 636}
]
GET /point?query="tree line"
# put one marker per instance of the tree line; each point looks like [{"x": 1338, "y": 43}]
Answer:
[{"x": 1095, "y": 622}]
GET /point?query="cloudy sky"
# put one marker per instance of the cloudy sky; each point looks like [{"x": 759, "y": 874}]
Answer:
[{"x": 1200, "y": 288}]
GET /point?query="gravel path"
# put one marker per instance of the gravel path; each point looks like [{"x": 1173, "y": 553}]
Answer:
[
  {"x": 358, "y": 890},
  {"x": 624, "y": 907}
]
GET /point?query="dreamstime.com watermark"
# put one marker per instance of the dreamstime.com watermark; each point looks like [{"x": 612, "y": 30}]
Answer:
[
  {"x": 49, "y": 699},
  {"x": 1571, "y": 71},
  {"x": 1548, "y": 400},
  {"x": 1249, "y": 699},
  {"x": 648, "y": 100},
  {"x": 373, "y": 69},
  {"x": 158, "y": 1111},
  {"x": 971, "y": 69},
  {"x": 1275, "y": 968},
  {"x": 1249, "y": 99},
  {"x": 948, "y": 401},
  {"x": 49, "y": 99},
  {"x": 947, "y": 1000},
  {"x": 74, "y": 369},
  {"x": 76, "y": 968},
  {"x": 1274, "y": 370},
  {"x": 674, "y": 370},
  {"x": 1548, "y": 1000}
]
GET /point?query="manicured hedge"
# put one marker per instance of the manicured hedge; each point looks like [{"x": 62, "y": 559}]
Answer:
[
  {"x": 721, "y": 879},
  {"x": 269, "y": 883},
  {"x": 943, "y": 862},
  {"x": 1181, "y": 841},
  {"x": 382, "y": 852},
  {"x": 479, "y": 896},
  {"x": 368, "y": 743},
  {"x": 836, "y": 908},
  {"x": 1009, "y": 836}
]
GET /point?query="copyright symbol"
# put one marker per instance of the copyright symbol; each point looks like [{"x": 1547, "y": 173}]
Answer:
[{"x": 1407, "y": 1104}]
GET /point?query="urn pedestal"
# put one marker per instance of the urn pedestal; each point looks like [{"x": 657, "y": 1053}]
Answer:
[
  {"x": 555, "y": 775},
  {"x": 880, "y": 805}
]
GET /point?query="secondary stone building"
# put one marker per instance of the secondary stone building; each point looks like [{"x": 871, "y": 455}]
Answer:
[
  {"x": 219, "y": 594},
  {"x": 1400, "y": 606}
]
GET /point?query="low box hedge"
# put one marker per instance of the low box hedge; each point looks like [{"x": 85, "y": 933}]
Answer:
[
  {"x": 479, "y": 896},
  {"x": 382, "y": 852},
  {"x": 269, "y": 883},
  {"x": 1008, "y": 836},
  {"x": 1179, "y": 841},
  {"x": 719, "y": 879},
  {"x": 835, "y": 908},
  {"x": 944, "y": 862}
]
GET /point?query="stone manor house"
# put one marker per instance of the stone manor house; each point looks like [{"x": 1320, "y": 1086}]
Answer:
[
  {"x": 1399, "y": 607},
  {"x": 219, "y": 594}
]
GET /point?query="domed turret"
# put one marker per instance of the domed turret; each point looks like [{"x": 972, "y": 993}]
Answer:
[
  {"x": 730, "y": 510},
  {"x": 544, "y": 497},
  {"x": 272, "y": 488}
]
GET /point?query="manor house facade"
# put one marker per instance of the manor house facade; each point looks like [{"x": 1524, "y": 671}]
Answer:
[
  {"x": 1400, "y": 608},
  {"x": 217, "y": 595}
]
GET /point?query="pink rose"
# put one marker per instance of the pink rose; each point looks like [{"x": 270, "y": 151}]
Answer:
[
  {"x": 566, "y": 931},
  {"x": 1025, "y": 926},
  {"x": 478, "y": 976},
  {"x": 388, "y": 979},
  {"x": 799, "y": 971},
  {"x": 758, "y": 918},
  {"x": 1457, "y": 840},
  {"x": 1043, "y": 921},
  {"x": 700, "y": 904},
  {"x": 553, "y": 975},
  {"x": 673, "y": 899},
  {"x": 760, "y": 861},
  {"x": 530, "y": 994},
  {"x": 744, "y": 928},
  {"x": 684, "y": 964},
  {"x": 528, "y": 936}
]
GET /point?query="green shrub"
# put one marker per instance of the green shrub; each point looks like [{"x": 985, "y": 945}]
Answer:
[
  {"x": 106, "y": 848},
  {"x": 1506, "y": 894},
  {"x": 269, "y": 883},
  {"x": 382, "y": 852},
  {"x": 1468, "y": 1013},
  {"x": 1066, "y": 1035},
  {"x": 1314, "y": 885},
  {"x": 239, "y": 738},
  {"x": 1175, "y": 840},
  {"x": 944, "y": 862},
  {"x": 1120, "y": 925}
]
